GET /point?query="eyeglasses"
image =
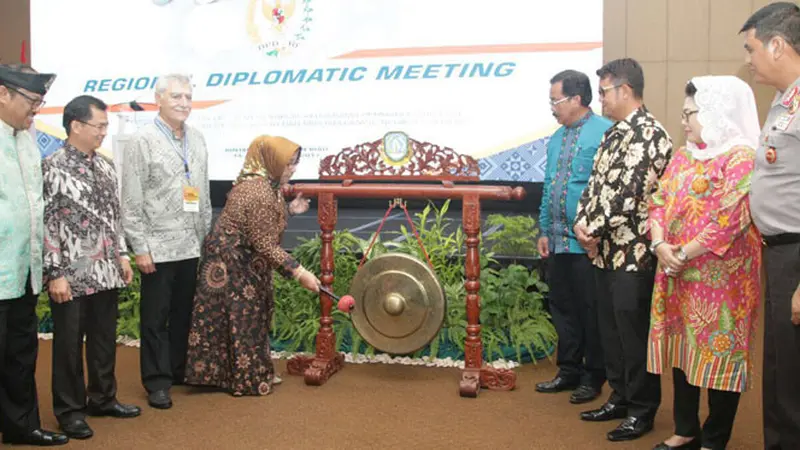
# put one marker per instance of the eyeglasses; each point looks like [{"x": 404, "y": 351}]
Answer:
[
  {"x": 559, "y": 101},
  {"x": 686, "y": 114},
  {"x": 602, "y": 91},
  {"x": 35, "y": 103},
  {"x": 98, "y": 127}
]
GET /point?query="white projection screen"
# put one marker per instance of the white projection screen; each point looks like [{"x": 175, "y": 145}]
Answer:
[{"x": 328, "y": 74}]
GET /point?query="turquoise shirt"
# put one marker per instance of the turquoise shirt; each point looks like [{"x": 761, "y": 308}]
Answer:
[
  {"x": 21, "y": 213},
  {"x": 570, "y": 157}
]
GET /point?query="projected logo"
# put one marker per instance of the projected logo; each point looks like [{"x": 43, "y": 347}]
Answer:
[{"x": 278, "y": 27}]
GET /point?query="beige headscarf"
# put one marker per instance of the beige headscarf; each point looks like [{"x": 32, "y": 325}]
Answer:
[{"x": 267, "y": 157}]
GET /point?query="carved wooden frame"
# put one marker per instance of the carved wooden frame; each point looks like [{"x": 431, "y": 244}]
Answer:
[{"x": 364, "y": 162}]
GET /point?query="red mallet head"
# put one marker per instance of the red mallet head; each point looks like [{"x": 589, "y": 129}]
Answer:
[{"x": 346, "y": 303}]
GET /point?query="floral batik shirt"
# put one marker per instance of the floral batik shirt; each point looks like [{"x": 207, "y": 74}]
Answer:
[
  {"x": 83, "y": 237},
  {"x": 631, "y": 158}
]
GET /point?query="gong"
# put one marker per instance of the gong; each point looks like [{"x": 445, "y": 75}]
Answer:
[{"x": 399, "y": 303}]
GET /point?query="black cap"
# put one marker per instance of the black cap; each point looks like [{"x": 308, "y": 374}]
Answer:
[{"x": 38, "y": 83}]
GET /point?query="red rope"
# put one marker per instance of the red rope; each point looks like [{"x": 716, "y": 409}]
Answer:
[
  {"x": 419, "y": 240},
  {"x": 383, "y": 222},
  {"x": 380, "y": 227}
]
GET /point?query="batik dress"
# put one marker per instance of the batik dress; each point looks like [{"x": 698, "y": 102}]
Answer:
[
  {"x": 229, "y": 338},
  {"x": 703, "y": 320}
]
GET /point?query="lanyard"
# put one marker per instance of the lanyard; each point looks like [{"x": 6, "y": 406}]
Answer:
[{"x": 185, "y": 155}]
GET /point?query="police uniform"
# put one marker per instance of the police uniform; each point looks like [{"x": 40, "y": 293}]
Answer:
[
  {"x": 775, "y": 207},
  {"x": 21, "y": 226}
]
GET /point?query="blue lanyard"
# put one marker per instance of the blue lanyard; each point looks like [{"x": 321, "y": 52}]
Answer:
[{"x": 185, "y": 155}]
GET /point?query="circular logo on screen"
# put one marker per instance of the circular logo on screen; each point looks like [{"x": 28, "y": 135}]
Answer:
[
  {"x": 396, "y": 148},
  {"x": 277, "y": 27}
]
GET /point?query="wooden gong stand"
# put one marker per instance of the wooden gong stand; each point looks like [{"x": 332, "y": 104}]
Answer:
[{"x": 425, "y": 162}]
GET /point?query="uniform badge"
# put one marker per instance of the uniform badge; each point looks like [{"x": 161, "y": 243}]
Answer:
[
  {"x": 795, "y": 104},
  {"x": 771, "y": 155}
]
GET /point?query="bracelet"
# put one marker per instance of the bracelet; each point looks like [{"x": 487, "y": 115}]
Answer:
[
  {"x": 655, "y": 245},
  {"x": 682, "y": 255}
]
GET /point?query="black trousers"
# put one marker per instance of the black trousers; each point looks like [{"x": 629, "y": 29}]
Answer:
[
  {"x": 623, "y": 305},
  {"x": 19, "y": 346},
  {"x": 781, "y": 395},
  {"x": 95, "y": 317},
  {"x": 722, "y": 406},
  {"x": 166, "y": 315},
  {"x": 573, "y": 306}
]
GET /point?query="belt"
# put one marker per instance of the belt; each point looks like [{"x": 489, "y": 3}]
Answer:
[{"x": 780, "y": 239}]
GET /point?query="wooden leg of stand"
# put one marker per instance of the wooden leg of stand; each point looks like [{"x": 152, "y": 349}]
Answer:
[
  {"x": 327, "y": 361},
  {"x": 475, "y": 374},
  {"x": 473, "y": 348}
]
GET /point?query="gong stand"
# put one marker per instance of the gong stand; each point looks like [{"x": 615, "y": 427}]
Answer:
[{"x": 399, "y": 158}]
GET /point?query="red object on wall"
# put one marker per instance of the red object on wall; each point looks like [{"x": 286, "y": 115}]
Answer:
[{"x": 22, "y": 53}]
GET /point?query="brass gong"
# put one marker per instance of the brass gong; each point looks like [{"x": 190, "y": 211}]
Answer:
[{"x": 399, "y": 303}]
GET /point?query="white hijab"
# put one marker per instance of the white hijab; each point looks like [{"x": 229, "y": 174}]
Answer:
[{"x": 728, "y": 114}]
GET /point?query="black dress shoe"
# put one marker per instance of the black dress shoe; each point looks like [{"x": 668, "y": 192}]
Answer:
[
  {"x": 116, "y": 410},
  {"x": 608, "y": 411},
  {"x": 557, "y": 384},
  {"x": 159, "y": 399},
  {"x": 584, "y": 394},
  {"x": 631, "y": 428},
  {"x": 76, "y": 429},
  {"x": 40, "y": 438},
  {"x": 694, "y": 444}
]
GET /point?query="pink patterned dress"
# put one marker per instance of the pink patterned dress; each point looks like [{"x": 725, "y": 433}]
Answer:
[{"x": 703, "y": 320}]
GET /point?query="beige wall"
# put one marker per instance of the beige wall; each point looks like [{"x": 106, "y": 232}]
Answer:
[
  {"x": 14, "y": 27},
  {"x": 675, "y": 40}
]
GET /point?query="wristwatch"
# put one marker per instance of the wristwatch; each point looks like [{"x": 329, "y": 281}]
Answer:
[
  {"x": 655, "y": 245},
  {"x": 682, "y": 255}
]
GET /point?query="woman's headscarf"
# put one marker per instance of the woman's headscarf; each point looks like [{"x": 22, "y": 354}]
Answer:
[
  {"x": 727, "y": 111},
  {"x": 267, "y": 157}
]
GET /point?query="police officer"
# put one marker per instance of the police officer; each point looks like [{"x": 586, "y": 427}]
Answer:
[{"x": 772, "y": 42}]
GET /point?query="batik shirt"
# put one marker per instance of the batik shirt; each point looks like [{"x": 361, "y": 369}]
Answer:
[
  {"x": 632, "y": 157},
  {"x": 570, "y": 155},
  {"x": 153, "y": 177},
  {"x": 83, "y": 238},
  {"x": 21, "y": 210}
]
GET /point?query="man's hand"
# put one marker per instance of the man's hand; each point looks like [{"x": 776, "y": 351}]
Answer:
[
  {"x": 796, "y": 306},
  {"x": 543, "y": 245},
  {"x": 587, "y": 242},
  {"x": 59, "y": 290},
  {"x": 145, "y": 263},
  {"x": 127, "y": 271}
]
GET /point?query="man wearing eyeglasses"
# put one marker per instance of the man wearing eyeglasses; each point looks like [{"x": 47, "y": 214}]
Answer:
[
  {"x": 21, "y": 208},
  {"x": 570, "y": 155},
  {"x": 85, "y": 265},
  {"x": 611, "y": 226}
]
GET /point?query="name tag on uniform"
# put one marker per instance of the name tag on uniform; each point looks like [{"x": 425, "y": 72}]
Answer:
[
  {"x": 782, "y": 123},
  {"x": 191, "y": 199}
]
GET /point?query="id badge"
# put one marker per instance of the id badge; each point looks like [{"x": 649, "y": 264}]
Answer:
[{"x": 191, "y": 199}]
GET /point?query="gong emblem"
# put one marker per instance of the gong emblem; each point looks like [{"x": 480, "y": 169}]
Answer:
[{"x": 399, "y": 303}]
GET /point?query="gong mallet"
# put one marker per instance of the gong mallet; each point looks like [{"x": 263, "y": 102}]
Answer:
[{"x": 345, "y": 304}]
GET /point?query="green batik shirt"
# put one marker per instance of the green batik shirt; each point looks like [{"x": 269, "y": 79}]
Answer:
[{"x": 21, "y": 213}]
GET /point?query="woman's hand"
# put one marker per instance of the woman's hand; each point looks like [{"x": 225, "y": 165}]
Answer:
[
  {"x": 299, "y": 205},
  {"x": 668, "y": 257},
  {"x": 307, "y": 279}
]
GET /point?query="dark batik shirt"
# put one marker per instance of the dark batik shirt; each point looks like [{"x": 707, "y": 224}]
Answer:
[
  {"x": 83, "y": 238},
  {"x": 632, "y": 157}
]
